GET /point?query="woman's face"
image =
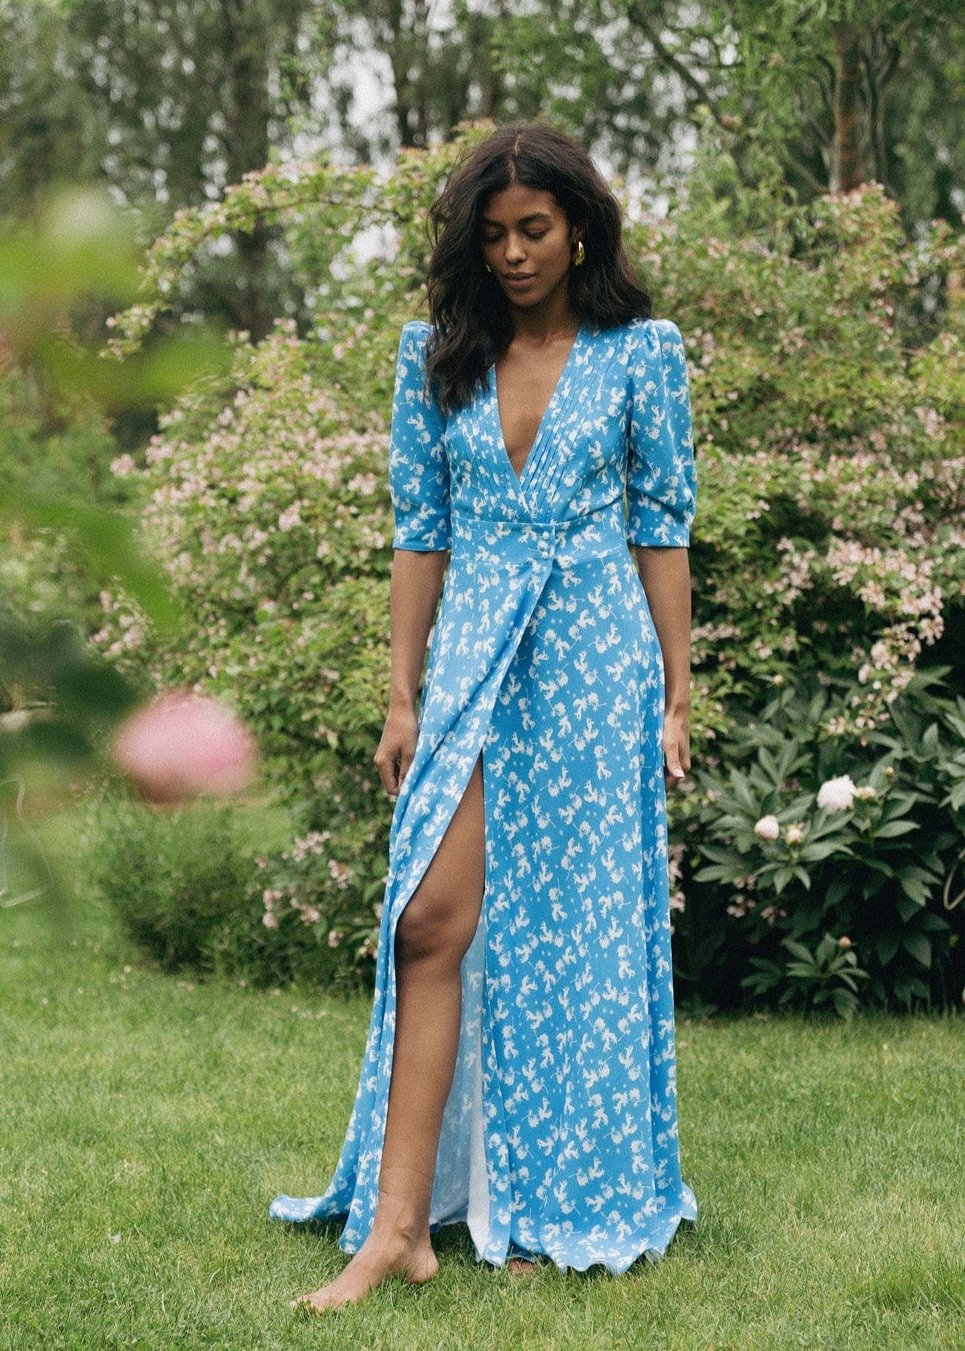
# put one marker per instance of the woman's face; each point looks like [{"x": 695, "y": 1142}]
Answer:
[{"x": 525, "y": 233}]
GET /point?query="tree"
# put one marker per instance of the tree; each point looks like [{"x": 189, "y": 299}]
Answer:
[
  {"x": 831, "y": 95},
  {"x": 168, "y": 103}
]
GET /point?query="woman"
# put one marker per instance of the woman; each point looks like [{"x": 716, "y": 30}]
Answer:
[{"x": 519, "y": 1073}]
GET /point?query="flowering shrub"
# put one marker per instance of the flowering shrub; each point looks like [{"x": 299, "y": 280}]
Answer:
[
  {"x": 309, "y": 885},
  {"x": 825, "y": 353},
  {"x": 827, "y": 552},
  {"x": 268, "y": 505},
  {"x": 806, "y": 847}
]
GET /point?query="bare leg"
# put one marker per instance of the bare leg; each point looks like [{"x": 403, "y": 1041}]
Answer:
[{"x": 432, "y": 935}]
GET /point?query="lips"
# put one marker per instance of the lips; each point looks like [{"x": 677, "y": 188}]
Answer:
[{"x": 520, "y": 276}]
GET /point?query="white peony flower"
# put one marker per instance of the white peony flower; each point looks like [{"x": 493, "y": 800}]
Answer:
[
  {"x": 768, "y": 828},
  {"x": 794, "y": 834},
  {"x": 837, "y": 794}
]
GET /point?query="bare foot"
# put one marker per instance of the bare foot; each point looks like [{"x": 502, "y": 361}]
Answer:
[
  {"x": 376, "y": 1261},
  {"x": 520, "y": 1266}
]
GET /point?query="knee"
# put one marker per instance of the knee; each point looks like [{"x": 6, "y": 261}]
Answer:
[{"x": 426, "y": 934}]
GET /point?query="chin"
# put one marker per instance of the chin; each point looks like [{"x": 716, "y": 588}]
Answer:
[{"x": 523, "y": 302}]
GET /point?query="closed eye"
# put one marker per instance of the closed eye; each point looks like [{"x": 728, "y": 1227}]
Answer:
[{"x": 530, "y": 234}]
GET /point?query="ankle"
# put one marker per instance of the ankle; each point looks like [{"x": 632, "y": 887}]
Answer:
[
  {"x": 402, "y": 1221},
  {"x": 400, "y": 1217},
  {"x": 403, "y": 1201}
]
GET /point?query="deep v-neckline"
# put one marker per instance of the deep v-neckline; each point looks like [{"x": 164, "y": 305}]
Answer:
[{"x": 547, "y": 411}]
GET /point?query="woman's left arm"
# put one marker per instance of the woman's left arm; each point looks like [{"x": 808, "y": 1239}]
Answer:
[
  {"x": 662, "y": 500},
  {"x": 665, "y": 574}
]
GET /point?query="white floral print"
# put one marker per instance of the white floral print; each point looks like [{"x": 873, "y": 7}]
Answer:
[{"x": 559, "y": 1136}]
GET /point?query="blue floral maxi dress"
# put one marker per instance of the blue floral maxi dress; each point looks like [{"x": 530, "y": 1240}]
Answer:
[{"x": 559, "y": 1136}]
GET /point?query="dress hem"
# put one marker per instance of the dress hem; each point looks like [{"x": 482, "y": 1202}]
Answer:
[{"x": 653, "y": 1252}]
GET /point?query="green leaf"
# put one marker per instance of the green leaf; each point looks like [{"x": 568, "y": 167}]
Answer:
[
  {"x": 717, "y": 853},
  {"x": 844, "y": 1003},
  {"x": 811, "y": 853},
  {"x": 886, "y": 945},
  {"x": 907, "y": 908},
  {"x": 781, "y": 878},
  {"x": 715, "y": 873},
  {"x": 799, "y": 950},
  {"x": 914, "y": 884},
  {"x": 837, "y": 890},
  {"x": 919, "y": 946},
  {"x": 892, "y": 828},
  {"x": 872, "y": 885}
]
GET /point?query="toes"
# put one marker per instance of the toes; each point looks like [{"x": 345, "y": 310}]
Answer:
[{"x": 307, "y": 1304}]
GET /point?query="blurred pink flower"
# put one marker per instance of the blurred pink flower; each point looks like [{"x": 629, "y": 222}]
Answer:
[
  {"x": 768, "y": 828},
  {"x": 181, "y": 744}
]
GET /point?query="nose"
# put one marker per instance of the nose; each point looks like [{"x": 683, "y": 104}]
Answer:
[{"x": 515, "y": 252}]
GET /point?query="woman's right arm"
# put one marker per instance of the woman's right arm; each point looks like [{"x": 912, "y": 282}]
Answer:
[
  {"x": 417, "y": 579},
  {"x": 415, "y": 589},
  {"x": 419, "y": 488}
]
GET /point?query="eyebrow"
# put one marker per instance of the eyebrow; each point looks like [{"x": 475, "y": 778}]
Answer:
[{"x": 523, "y": 220}]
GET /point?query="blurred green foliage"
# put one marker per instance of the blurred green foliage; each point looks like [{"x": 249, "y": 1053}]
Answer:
[{"x": 59, "y": 696}]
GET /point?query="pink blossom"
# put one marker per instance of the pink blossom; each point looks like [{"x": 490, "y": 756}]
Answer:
[{"x": 181, "y": 744}]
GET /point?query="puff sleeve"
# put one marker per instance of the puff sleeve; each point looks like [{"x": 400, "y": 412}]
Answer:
[
  {"x": 418, "y": 463},
  {"x": 661, "y": 473}
]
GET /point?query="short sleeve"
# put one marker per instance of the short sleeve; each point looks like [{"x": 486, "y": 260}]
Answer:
[
  {"x": 418, "y": 463},
  {"x": 661, "y": 473}
]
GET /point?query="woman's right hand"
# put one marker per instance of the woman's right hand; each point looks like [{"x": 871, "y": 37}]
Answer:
[{"x": 397, "y": 746}]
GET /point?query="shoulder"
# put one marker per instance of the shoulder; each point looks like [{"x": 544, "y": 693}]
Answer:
[
  {"x": 652, "y": 333},
  {"x": 416, "y": 331},
  {"x": 413, "y": 341},
  {"x": 651, "y": 342},
  {"x": 412, "y": 348}
]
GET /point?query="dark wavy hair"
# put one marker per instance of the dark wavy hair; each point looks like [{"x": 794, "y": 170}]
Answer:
[{"x": 468, "y": 311}]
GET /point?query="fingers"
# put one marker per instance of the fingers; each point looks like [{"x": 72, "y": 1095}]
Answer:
[
  {"x": 400, "y": 770},
  {"x": 677, "y": 756},
  {"x": 392, "y": 769}
]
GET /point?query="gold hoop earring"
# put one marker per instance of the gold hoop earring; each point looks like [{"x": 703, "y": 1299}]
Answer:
[
  {"x": 489, "y": 269},
  {"x": 580, "y": 258}
]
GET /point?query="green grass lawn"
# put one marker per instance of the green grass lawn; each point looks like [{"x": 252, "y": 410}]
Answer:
[{"x": 147, "y": 1121}]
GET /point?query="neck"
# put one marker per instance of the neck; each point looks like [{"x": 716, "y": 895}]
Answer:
[{"x": 551, "y": 318}]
